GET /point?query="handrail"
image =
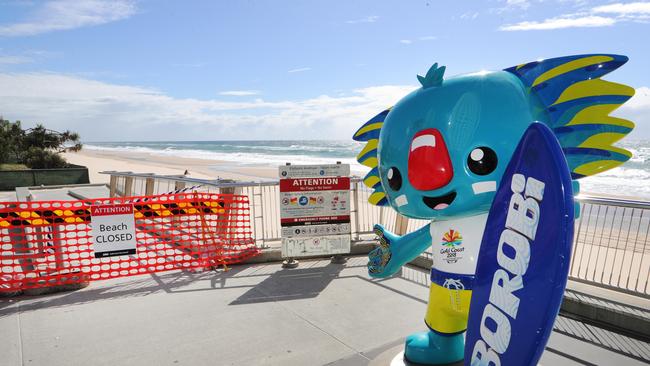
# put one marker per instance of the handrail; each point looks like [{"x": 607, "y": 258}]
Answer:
[
  {"x": 612, "y": 201},
  {"x": 612, "y": 234},
  {"x": 219, "y": 183},
  {"x": 229, "y": 183}
]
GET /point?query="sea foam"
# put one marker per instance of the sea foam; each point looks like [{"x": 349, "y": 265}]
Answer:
[{"x": 631, "y": 179}]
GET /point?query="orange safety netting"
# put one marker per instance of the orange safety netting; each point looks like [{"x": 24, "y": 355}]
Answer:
[{"x": 50, "y": 243}]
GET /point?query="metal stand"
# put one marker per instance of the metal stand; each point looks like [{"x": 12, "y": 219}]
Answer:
[
  {"x": 339, "y": 259},
  {"x": 290, "y": 263}
]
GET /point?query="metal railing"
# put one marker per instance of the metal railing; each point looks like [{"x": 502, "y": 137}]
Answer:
[
  {"x": 264, "y": 200},
  {"x": 610, "y": 245}
]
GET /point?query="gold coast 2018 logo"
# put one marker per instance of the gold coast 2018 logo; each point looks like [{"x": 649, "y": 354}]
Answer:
[
  {"x": 452, "y": 238},
  {"x": 452, "y": 241}
]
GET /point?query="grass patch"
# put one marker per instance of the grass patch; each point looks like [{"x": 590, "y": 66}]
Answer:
[{"x": 13, "y": 167}]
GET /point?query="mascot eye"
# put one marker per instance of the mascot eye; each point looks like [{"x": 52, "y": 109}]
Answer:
[
  {"x": 482, "y": 160},
  {"x": 394, "y": 179}
]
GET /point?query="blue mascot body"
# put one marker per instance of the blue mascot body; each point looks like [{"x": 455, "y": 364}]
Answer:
[{"x": 441, "y": 152}]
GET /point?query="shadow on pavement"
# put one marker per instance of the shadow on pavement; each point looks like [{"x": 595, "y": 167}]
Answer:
[
  {"x": 274, "y": 284},
  {"x": 129, "y": 287},
  {"x": 291, "y": 284}
]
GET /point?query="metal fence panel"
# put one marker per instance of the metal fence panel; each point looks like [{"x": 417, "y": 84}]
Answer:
[{"x": 610, "y": 245}]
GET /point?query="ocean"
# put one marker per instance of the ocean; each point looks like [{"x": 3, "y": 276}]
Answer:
[{"x": 632, "y": 179}]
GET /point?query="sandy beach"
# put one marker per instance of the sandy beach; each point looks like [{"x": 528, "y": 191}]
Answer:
[
  {"x": 142, "y": 162},
  {"x": 138, "y": 162}
]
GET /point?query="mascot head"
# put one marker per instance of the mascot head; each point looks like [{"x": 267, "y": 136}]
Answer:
[{"x": 440, "y": 151}]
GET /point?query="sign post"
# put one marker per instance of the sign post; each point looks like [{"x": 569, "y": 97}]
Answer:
[
  {"x": 113, "y": 230},
  {"x": 314, "y": 211}
]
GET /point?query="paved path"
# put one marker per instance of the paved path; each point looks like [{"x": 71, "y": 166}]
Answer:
[{"x": 317, "y": 314}]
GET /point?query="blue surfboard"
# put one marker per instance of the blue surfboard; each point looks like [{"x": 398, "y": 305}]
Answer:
[{"x": 524, "y": 257}]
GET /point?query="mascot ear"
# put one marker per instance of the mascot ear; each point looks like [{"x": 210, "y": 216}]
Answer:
[
  {"x": 575, "y": 103},
  {"x": 369, "y": 133}
]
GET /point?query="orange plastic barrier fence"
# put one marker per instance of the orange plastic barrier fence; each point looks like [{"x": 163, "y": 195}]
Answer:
[{"x": 50, "y": 243}]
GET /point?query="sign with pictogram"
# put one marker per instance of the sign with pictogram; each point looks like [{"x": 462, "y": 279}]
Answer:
[
  {"x": 113, "y": 230},
  {"x": 314, "y": 210},
  {"x": 301, "y": 171}
]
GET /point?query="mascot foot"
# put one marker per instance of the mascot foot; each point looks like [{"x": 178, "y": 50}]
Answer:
[{"x": 431, "y": 348}]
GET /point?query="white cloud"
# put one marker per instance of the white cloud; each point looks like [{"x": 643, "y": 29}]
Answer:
[
  {"x": 640, "y": 100},
  {"x": 469, "y": 16},
  {"x": 599, "y": 16},
  {"x": 299, "y": 70},
  {"x": 574, "y": 3},
  {"x": 15, "y": 60},
  {"x": 102, "y": 111},
  {"x": 510, "y": 6},
  {"x": 423, "y": 38},
  {"x": 624, "y": 9},
  {"x": 239, "y": 93},
  {"x": 367, "y": 19},
  {"x": 523, "y": 4},
  {"x": 69, "y": 14},
  {"x": 637, "y": 110},
  {"x": 565, "y": 21},
  {"x": 628, "y": 12}
]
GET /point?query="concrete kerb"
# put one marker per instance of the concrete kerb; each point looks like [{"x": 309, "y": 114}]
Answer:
[{"x": 608, "y": 309}]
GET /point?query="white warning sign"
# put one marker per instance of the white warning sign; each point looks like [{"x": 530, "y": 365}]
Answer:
[
  {"x": 315, "y": 210},
  {"x": 295, "y": 247},
  {"x": 113, "y": 230}
]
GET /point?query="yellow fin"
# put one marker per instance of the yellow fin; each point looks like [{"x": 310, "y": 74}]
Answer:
[
  {"x": 570, "y": 66},
  {"x": 599, "y": 114},
  {"x": 596, "y": 167},
  {"x": 604, "y": 141},
  {"x": 371, "y": 181},
  {"x": 370, "y": 162},
  {"x": 591, "y": 88},
  {"x": 376, "y": 197},
  {"x": 370, "y": 145},
  {"x": 370, "y": 127}
]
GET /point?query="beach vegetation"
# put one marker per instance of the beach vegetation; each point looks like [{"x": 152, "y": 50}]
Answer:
[
  {"x": 35, "y": 148},
  {"x": 13, "y": 167}
]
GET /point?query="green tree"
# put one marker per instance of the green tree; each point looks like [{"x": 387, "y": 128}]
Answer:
[
  {"x": 38, "y": 147},
  {"x": 11, "y": 137}
]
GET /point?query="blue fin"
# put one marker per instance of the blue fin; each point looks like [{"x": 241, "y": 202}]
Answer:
[
  {"x": 576, "y": 104},
  {"x": 433, "y": 77}
]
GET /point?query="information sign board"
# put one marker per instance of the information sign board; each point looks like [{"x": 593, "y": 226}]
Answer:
[
  {"x": 314, "y": 210},
  {"x": 113, "y": 230}
]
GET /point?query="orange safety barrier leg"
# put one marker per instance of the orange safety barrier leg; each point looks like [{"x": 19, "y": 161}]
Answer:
[{"x": 204, "y": 228}]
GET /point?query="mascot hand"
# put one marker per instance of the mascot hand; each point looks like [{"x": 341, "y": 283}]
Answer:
[{"x": 379, "y": 264}]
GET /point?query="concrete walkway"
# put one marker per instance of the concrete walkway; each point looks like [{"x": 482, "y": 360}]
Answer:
[{"x": 258, "y": 314}]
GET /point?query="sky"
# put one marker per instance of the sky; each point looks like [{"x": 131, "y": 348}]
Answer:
[{"x": 136, "y": 70}]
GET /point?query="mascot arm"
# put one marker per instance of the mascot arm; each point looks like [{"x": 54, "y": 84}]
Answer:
[{"x": 395, "y": 251}]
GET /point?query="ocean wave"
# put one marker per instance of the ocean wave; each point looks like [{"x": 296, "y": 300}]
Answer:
[
  {"x": 615, "y": 186},
  {"x": 239, "y": 158},
  {"x": 631, "y": 178}
]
